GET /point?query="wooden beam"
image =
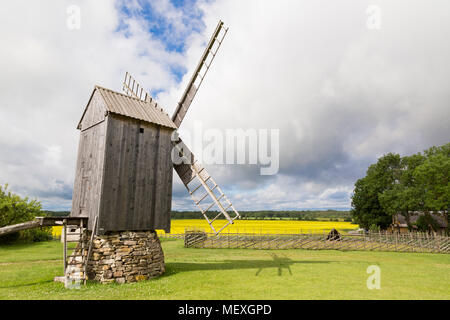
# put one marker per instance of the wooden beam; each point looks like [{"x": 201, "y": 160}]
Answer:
[
  {"x": 19, "y": 227},
  {"x": 42, "y": 222}
]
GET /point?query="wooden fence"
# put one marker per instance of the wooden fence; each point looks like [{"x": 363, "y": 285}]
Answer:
[{"x": 411, "y": 242}]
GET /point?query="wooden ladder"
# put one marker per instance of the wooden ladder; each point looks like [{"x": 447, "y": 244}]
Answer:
[{"x": 76, "y": 267}]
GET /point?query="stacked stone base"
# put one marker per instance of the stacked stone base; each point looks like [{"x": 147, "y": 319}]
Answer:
[{"x": 124, "y": 257}]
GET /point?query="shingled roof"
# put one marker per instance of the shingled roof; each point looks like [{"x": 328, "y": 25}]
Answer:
[
  {"x": 401, "y": 219},
  {"x": 124, "y": 105}
]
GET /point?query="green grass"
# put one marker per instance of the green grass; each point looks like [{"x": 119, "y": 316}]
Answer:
[{"x": 27, "y": 272}]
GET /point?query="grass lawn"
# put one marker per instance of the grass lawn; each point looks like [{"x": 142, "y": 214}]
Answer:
[{"x": 27, "y": 271}]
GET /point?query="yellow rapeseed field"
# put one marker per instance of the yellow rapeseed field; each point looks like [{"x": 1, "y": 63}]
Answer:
[
  {"x": 56, "y": 231},
  {"x": 263, "y": 226},
  {"x": 254, "y": 226}
]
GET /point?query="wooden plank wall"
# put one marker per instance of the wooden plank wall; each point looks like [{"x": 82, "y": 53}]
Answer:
[
  {"x": 90, "y": 160},
  {"x": 95, "y": 111},
  {"x": 137, "y": 186},
  {"x": 163, "y": 192}
]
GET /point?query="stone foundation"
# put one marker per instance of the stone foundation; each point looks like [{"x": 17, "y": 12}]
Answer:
[{"x": 124, "y": 257}]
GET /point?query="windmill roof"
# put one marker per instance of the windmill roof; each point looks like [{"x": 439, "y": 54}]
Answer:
[{"x": 119, "y": 103}]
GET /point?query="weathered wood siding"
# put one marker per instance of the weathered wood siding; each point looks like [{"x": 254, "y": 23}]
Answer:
[
  {"x": 137, "y": 178},
  {"x": 95, "y": 111},
  {"x": 89, "y": 168}
]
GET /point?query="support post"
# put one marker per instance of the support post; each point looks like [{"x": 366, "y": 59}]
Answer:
[
  {"x": 65, "y": 245},
  {"x": 83, "y": 257}
]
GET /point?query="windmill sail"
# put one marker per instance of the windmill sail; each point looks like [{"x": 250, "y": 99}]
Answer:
[
  {"x": 202, "y": 188},
  {"x": 204, "y": 191},
  {"x": 199, "y": 73}
]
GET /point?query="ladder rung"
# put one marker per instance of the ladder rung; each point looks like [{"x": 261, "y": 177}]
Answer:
[
  {"x": 216, "y": 217},
  {"x": 203, "y": 198},
  {"x": 219, "y": 216},
  {"x": 191, "y": 192},
  {"x": 193, "y": 166},
  {"x": 190, "y": 180},
  {"x": 206, "y": 194},
  {"x": 204, "y": 215},
  {"x": 212, "y": 204},
  {"x": 207, "y": 65},
  {"x": 195, "y": 176},
  {"x": 200, "y": 76},
  {"x": 210, "y": 224},
  {"x": 226, "y": 225}
]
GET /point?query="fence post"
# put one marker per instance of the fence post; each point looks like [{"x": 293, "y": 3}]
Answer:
[
  {"x": 364, "y": 240},
  {"x": 438, "y": 243},
  {"x": 396, "y": 241}
]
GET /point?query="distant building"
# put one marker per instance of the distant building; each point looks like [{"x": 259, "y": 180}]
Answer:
[{"x": 400, "y": 225}]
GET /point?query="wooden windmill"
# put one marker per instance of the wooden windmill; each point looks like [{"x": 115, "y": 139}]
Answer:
[{"x": 124, "y": 168}]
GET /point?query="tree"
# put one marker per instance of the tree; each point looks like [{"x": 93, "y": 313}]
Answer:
[
  {"x": 13, "y": 210},
  {"x": 434, "y": 178},
  {"x": 366, "y": 207},
  {"x": 405, "y": 196},
  {"x": 420, "y": 182}
]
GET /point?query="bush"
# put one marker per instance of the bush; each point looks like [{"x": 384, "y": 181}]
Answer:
[
  {"x": 374, "y": 228},
  {"x": 13, "y": 210}
]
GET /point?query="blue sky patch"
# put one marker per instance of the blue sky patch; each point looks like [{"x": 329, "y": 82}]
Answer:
[
  {"x": 161, "y": 27},
  {"x": 172, "y": 33}
]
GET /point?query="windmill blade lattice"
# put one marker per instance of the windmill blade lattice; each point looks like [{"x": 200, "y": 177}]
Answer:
[
  {"x": 200, "y": 72},
  {"x": 202, "y": 187}
]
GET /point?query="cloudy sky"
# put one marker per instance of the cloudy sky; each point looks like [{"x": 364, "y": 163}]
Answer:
[{"x": 341, "y": 87}]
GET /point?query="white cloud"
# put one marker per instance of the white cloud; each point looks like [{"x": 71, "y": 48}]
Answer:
[
  {"x": 341, "y": 94},
  {"x": 48, "y": 73}
]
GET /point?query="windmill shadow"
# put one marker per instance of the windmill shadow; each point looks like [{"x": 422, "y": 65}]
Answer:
[
  {"x": 277, "y": 262},
  {"x": 282, "y": 262}
]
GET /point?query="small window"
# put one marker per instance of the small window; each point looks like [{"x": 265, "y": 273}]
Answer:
[{"x": 141, "y": 130}]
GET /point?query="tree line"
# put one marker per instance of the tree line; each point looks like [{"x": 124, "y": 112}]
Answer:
[
  {"x": 308, "y": 215},
  {"x": 404, "y": 185}
]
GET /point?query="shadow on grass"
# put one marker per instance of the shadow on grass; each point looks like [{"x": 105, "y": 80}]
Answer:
[
  {"x": 30, "y": 284},
  {"x": 277, "y": 262}
]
